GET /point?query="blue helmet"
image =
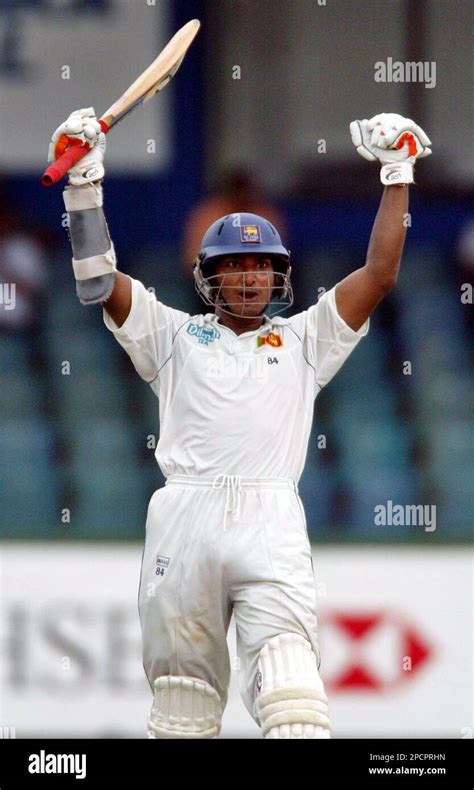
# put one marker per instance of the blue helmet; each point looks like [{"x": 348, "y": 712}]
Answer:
[{"x": 241, "y": 233}]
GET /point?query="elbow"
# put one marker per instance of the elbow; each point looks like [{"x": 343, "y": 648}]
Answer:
[
  {"x": 388, "y": 282},
  {"x": 385, "y": 278}
]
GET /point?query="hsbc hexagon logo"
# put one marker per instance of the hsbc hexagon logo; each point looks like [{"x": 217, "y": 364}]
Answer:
[{"x": 371, "y": 651}]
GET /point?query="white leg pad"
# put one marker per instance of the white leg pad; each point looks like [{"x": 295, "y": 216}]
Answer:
[
  {"x": 290, "y": 698},
  {"x": 184, "y": 707}
]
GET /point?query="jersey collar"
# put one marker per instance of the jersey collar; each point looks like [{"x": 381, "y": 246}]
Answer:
[{"x": 212, "y": 318}]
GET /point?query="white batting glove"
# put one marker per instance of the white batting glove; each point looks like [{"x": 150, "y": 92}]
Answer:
[
  {"x": 396, "y": 142},
  {"x": 90, "y": 168},
  {"x": 81, "y": 127}
]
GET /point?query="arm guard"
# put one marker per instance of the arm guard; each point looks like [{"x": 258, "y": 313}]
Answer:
[{"x": 94, "y": 261}]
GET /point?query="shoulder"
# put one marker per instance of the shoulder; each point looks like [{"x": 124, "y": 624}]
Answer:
[
  {"x": 317, "y": 317},
  {"x": 291, "y": 328},
  {"x": 325, "y": 306},
  {"x": 148, "y": 297},
  {"x": 147, "y": 314}
]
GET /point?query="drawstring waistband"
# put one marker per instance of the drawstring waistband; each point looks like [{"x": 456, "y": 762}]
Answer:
[{"x": 234, "y": 485}]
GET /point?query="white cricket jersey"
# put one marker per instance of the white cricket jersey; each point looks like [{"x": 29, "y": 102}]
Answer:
[{"x": 234, "y": 404}]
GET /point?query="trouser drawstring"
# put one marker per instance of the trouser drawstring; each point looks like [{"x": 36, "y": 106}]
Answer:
[{"x": 233, "y": 484}]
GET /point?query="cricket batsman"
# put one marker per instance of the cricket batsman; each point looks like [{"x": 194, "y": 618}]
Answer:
[{"x": 236, "y": 387}]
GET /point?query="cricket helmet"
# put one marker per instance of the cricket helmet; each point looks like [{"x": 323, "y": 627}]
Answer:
[{"x": 240, "y": 234}]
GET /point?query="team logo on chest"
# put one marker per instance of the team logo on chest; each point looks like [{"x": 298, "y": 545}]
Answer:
[
  {"x": 204, "y": 334},
  {"x": 272, "y": 339}
]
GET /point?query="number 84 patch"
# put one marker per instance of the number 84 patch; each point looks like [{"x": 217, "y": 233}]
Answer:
[{"x": 161, "y": 564}]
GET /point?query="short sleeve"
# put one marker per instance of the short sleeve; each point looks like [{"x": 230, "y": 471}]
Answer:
[
  {"x": 329, "y": 340},
  {"x": 147, "y": 333}
]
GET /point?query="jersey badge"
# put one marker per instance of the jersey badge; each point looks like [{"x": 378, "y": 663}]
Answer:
[{"x": 272, "y": 339}]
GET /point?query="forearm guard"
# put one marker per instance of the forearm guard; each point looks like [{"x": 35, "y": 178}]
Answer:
[{"x": 94, "y": 261}]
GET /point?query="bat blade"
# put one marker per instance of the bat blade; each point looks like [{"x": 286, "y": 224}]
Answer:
[
  {"x": 156, "y": 76},
  {"x": 153, "y": 79}
]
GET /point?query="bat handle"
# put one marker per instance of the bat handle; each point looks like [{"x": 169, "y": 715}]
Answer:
[{"x": 69, "y": 158}]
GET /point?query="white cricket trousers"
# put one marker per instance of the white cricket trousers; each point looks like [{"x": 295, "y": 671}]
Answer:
[{"x": 216, "y": 546}]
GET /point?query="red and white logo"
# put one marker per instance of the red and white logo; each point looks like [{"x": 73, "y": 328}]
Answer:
[{"x": 371, "y": 651}]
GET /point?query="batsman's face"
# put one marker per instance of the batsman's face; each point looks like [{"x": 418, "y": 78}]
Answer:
[{"x": 245, "y": 283}]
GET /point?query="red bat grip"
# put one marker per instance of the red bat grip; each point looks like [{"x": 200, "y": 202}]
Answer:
[
  {"x": 69, "y": 158},
  {"x": 64, "y": 163}
]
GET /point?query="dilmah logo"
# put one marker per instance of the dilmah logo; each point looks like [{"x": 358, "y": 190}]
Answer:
[
  {"x": 205, "y": 335},
  {"x": 44, "y": 763}
]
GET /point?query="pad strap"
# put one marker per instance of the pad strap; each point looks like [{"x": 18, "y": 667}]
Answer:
[{"x": 94, "y": 266}]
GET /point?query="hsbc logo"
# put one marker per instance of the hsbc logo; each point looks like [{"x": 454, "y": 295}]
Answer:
[{"x": 371, "y": 651}]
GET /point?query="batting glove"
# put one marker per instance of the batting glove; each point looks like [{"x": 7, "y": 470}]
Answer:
[
  {"x": 81, "y": 127},
  {"x": 396, "y": 142}
]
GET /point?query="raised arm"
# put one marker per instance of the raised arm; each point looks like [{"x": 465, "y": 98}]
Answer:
[
  {"x": 119, "y": 303},
  {"x": 396, "y": 142},
  {"x": 94, "y": 261},
  {"x": 360, "y": 292}
]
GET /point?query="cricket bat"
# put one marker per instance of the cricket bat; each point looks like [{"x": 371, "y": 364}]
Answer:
[{"x": 153, "y": 79}]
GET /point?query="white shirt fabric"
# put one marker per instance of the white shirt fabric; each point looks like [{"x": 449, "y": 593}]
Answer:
[{"x": 227, "y": 404}]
